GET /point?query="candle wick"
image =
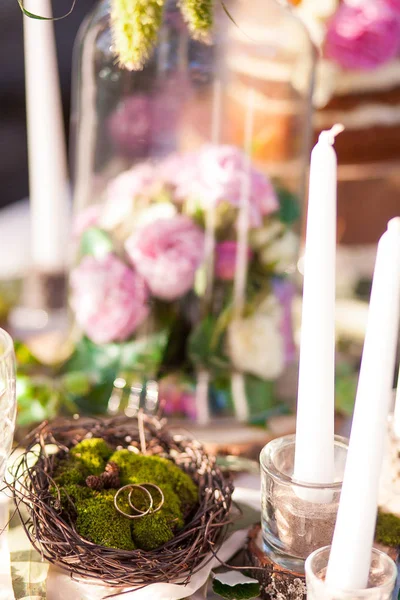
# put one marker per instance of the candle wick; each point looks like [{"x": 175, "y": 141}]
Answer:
[
  {"x": 329, "y": 136},
  {"x": 394, "y": 225}
]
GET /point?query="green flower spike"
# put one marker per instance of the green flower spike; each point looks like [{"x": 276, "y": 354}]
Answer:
[
  {"x": 199, "y": 16},
  {"x": 135, "y": 25}
]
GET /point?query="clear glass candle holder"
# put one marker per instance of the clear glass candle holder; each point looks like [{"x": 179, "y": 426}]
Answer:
[
  {"x": 297, "y": 518},
  {"x": 382, "y": 578}
]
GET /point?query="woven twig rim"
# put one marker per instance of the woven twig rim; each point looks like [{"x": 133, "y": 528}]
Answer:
[{"x": 53, "y": 533}]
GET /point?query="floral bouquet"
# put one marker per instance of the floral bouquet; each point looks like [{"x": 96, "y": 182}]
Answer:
[{"x": 182, "y": 277}]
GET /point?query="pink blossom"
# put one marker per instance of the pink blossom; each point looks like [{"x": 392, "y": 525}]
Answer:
[
  {"x": 180, "y": 172},
  {"x": 137, "y": 181},
  {"x": 225, "y": 259},
  {"x": 225, "y": 176},
  {"x": 85, "y": 219},
  {"x": 177, "y": 397},
  {"x": 130, "y": 126},
  {"x": 146, "y": 123},
  {"x": 363, "y": 36},
  {"x": 109, "y": 298},
  {"x": 167, "y": 253},
  {"x": 284, "y": 291},
  {"x": 394, "y": 4}
]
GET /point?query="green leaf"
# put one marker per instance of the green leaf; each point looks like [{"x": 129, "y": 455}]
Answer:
[
  {"x": 205, "y": 346},
  {"x": 95, "y": 242},
  {"x": 345, "y": 392},
  {"x": 76, "y": 383},
  {"x": 289, "y": 206},
  {"x": 41, "y": 18},
  {"x": 233, "y": 585},
  {"x": 260, "y": 397}
]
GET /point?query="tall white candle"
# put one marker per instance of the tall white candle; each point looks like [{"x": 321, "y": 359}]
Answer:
[
  {"x": 350, "y": 557},
  {"x": 396, "y": 418},
  {"x": 48, "y": 182},
  {"x": 314, "y": 456}
]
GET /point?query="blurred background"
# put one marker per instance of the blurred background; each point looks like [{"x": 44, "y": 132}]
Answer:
[{"x": 13, "y": 150}]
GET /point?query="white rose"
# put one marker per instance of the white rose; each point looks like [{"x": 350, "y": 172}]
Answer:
[
  {"x": 263, "y": 236},
  {"x": 281, "y": 253},
  {"x": 255, "y": 345}
]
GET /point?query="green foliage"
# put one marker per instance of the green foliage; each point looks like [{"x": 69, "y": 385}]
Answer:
[
  {"x": 289, "y": 207},
  {"x": 135, "y": 25},
  {"x": 345, "y": 389},
  {"x": 388, "y": 529},
  {"x": 199, "y": 17},
  {"x": 89, "y": 373},
  {"x": 260, "y": 397},
  {"x": 206, "y": 345},
  {"x": 243, "y": 587},
  {"x": 95, "y": 242},
  {"x": 39, "y": 398},
  {"x": 27, "y": 13}
]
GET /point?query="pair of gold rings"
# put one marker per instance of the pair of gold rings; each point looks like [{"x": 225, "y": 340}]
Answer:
[{"x": 144, "y": 490}]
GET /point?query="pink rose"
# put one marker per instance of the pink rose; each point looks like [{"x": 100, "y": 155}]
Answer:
[
  {"x": 130, "y": 126},
  {"x": 87, "y": 218},
  {"x": 218, "y": 174},
  {"x": 137, "y": 181},
  {"x": 225, "y": 260},
  {"x": 223, "y": 174},
  {"x": 167, "y": 253},
  {"x": 180, "y": 172},
  {"x": 394, "y": 4},
  {"x": 363, "y": 36},
  {"x": 109, "y": 298}
]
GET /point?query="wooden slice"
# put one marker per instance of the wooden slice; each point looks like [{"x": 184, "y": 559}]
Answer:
[{"x": 276, "y": 582}]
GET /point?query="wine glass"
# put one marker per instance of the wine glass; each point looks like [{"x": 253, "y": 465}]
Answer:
[{"x": 8, "y": 404}]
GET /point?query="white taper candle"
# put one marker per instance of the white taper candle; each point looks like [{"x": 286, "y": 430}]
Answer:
[
  {"x": 48, "y": 182},
  {"x": 350, "y": 557},
  {"x": 314, "y": 455},
  {"x": 396, "y": 418}
]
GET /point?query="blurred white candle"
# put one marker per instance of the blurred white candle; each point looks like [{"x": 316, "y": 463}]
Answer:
[
  {"x": 48, "y": 182},
  {"x": 396, "y": 418},
  {"x": 314, "y": 457},
  {"x": 350, "y": 557}
]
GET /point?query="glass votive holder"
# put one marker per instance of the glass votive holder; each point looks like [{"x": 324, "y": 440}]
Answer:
[
  {"x": 382, "y": 578},
  {"x": 297, "y": 518}
]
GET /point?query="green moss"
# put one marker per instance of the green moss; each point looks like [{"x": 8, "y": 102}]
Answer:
[
  {"x": 100, "y": 523},
  {"x": 136, "y": 468},
  {"x": 128, "y": 462},
  {"x": 70, "y": 471},
  {"x": 388, "y": 529},
  {"x": 95, "y": 446},
  {"x": 97, "y": 519},
  {"x": 152, "y": 531},
  {"x": 92, "y": 454}
]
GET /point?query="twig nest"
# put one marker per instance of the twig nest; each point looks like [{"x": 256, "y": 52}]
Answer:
[{"x": 102, "y": 510}]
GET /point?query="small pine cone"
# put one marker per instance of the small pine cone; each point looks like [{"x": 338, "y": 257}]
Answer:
[
  {"x": 112, "y": 467},
  {"x": 111, "y": 480},
  {"x": 94, "y": 482}
]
